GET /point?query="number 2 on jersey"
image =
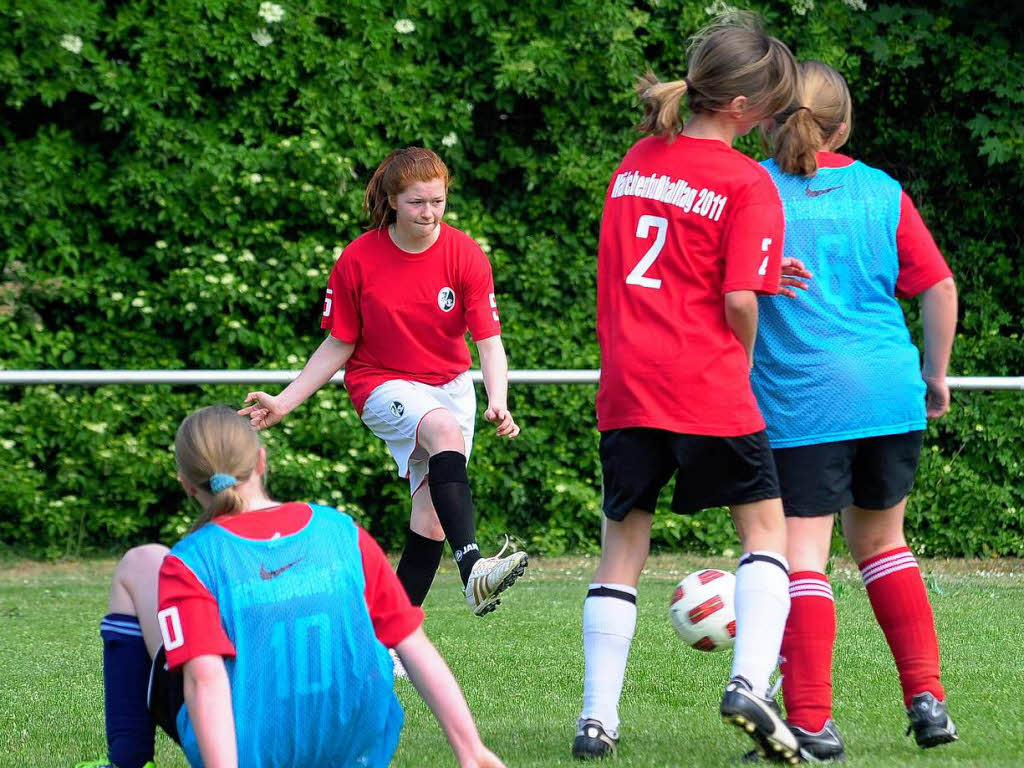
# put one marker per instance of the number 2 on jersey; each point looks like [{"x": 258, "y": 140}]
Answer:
[{"x": 638, "y": 275}]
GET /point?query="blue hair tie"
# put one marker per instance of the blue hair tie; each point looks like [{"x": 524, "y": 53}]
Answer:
[{"x": 219, "y": 482}]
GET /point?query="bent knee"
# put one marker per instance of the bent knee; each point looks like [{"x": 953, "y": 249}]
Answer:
[
  {"x": 141, "y": 559},
  {"x": 439, "y": 431}
]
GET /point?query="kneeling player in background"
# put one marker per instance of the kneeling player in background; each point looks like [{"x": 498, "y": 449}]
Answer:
[
  {"x": 842, "y": 390},
  {"x": 260, "y": 639}
]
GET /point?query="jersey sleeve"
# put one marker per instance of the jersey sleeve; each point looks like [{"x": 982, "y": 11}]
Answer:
[
  {"x": 481, "y": 310},
  {"x": 394, "y": 617},
  {"x": 753, "y": 241},
  {"x": 921, "y": 263},
  {"x": 341, "y": 301},
  {"x": 188, "y": 615}
]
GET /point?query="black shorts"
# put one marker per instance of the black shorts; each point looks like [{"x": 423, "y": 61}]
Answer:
[
  {"x": 871, "y": 472},
  {"x": 166, "y": 695},
  {"x": 637, "y": 462}
]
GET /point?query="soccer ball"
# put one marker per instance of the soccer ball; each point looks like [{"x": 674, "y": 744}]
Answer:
[{"x": 702, "y": 610}]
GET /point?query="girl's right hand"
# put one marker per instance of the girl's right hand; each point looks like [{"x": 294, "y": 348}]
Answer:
[{"x": 265, "y": 412}]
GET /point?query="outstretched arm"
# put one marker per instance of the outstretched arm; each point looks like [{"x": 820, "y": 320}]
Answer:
[
  {"x": 494, "y": 366},
  {"x": 328, "y": 359},
  {"x": 938, "y": 315},
  {"x": 435, "y": 683},
  {"x": 208, "y": 698}
]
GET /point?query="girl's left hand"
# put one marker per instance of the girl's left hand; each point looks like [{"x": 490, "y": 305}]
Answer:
[
  {"x": 502, "y": 418},
  {"x": 791, "y": 270}
]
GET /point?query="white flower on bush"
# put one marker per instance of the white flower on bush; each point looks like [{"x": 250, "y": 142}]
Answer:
[
  {"x": 116, "y": 296},
  {"x": 271, "y": 12},
  {"x": 138, "y": 302},
  {"x": 404, "y": 26},
  {"x": 161, "y": 244},
  {"x": 247, "y": 255},
  {"x": 72, "y": 43},
  {"x": 220, "y": 258},
  {"x": 857, "y": 5},
  {"x": 801, "y": 7},
  {"x": 312, "y": 272},
  {"x": 262, "y": 38},
  {"x": 450, "y": 140},
  {"x": 255, "y": 178}
]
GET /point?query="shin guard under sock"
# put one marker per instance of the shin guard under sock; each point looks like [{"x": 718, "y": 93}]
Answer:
[
  {"x": 453, "y": 502},
  {"x": 418, "y": 564},
  {"x": 762, "y": 605},
  {"x": 806, "y": 658},
  {"x": 609, "y": 621},
  {"x": 900, "y": 602},
  {"x": 126, "y": 665}
]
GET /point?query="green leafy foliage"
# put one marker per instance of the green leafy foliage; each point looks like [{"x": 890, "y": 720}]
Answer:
[{"x": 180, "y": 175}]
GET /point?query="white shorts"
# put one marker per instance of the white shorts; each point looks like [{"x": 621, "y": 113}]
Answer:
[{"x": 394, "y": 410}]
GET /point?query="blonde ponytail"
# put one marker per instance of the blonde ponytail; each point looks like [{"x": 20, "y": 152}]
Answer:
[
  {"x": 661, "y": 103},
  {"x": 215, "y": 449},
  {"x": 820, "y": 119},
  {"x": 732, "y": 56},
  {"x": 795, "y": 143}
]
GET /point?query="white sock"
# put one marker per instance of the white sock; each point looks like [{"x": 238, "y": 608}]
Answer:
[
  {"x": 762, "y": 606},
  {"x": 609, "y": 620}
]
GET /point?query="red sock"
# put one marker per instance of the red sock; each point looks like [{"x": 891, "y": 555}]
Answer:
[
  {"x": 807, "y": 651},
  {"x": 900, "y": 602}
]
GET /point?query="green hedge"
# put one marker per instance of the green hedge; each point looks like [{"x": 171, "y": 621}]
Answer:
[{"x": 179, "y": 174}]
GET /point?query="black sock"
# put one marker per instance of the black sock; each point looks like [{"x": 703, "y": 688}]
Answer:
[
  {"x": 418, "y": 565},
  {"x": 453, "y": 502},
  {"x": 126, "y": 663}
]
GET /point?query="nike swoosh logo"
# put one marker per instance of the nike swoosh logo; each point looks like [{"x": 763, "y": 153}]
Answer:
[
  {"x": 815, "y": 192},
  {"x": 267, "y": 575}
]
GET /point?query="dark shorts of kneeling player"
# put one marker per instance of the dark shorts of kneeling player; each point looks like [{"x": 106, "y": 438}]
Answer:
[
  {"x": 637, "y": 462},
  {"x": 166, "y": 695},
  {"x": 869, "y": 472}
]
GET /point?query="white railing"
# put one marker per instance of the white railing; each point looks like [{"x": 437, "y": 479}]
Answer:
[{"x": 254, "y": 377}]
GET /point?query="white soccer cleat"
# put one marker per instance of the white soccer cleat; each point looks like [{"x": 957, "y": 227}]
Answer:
[
  {"x": 398, "y": 668},
  {"x": 490, "y": 577}
]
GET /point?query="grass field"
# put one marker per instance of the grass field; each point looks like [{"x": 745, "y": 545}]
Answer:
[{"x": 521, "y": 669}]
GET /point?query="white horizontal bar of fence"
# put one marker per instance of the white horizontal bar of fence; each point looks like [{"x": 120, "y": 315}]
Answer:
[{"x": 256, "y": 377}]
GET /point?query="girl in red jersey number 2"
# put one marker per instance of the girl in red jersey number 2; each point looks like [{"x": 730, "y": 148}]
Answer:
[
  {"x": 398, "y": 304},
  {"x": 691, "y": 233}
]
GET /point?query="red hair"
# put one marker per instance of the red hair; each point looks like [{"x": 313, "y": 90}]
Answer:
[{"x": 398, "y": 170}]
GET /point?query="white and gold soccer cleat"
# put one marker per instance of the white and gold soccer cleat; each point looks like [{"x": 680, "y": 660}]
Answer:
[{"x": 491, "y": 576}]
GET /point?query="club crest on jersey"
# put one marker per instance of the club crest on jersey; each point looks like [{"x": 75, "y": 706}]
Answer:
[
  {"x": 446, "y": 299},
  {"x": 397, "y": 409}
]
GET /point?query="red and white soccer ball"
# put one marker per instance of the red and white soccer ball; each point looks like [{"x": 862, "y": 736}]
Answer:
[{"x": 702, "y": 610}]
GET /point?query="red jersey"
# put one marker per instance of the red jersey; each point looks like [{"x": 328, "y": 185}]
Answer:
[
  {"x": 684, "y": 223},
  {"x": 408, "y": 313},
  {"x": 201, "y": 631},
  {"x": 921, "y": 262}
]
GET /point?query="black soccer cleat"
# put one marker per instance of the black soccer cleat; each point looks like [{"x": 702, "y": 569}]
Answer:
[
  {"x": 930, "y": 722},
  {"x": 819, "y": 746},
  {"x": 592, "y": 741},
  {"x": 759, "y": 718}
]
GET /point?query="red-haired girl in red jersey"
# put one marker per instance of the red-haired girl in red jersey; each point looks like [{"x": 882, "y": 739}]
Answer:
[
  {"x": 691, "y": 234},
  {"x": 398, "y": 304}
]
